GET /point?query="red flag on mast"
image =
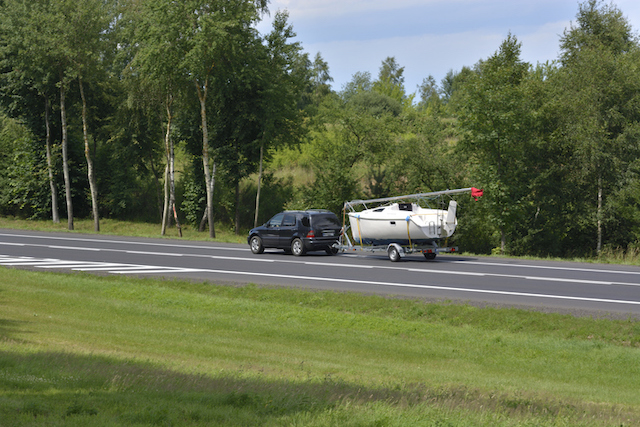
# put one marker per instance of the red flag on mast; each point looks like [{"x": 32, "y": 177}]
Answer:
[{"x": 476, "y": 193}]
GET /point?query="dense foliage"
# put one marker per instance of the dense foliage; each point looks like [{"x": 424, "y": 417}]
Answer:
[{"x": 174, "y": 107}]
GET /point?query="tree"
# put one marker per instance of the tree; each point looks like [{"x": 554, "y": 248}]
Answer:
[
  {"x": 24, "y": 75},
  {"x": 63, "y": 40},
  {"x": 599, "y": 87},
  {"x": 86, "y": 24},
  {"x": 285, "y": 78},
  {"x": 391, "y": 81},
  {"x": 160, "y": 45},
  {"x": 429, "y": 94},
  {"x": 452, "y": 85},
  {"x": 211, "y": 29},
  {"x": 360, "y": 128},
  {"x": 496, "y": 119},
  {"x": 360, "y": 82},
  {"x": 320, "y": 77}
]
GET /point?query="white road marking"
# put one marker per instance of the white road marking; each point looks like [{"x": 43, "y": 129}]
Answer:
[
  {"x": 547, "y": 267},
  {"x": 67, "y": 247},
  {"x": 128, "y": 242},
  {"x": 89, "y": 266},
  {"x": 153, "y": 253},
  {"x": 206, "y": 247},
  {"x": 433, "y": 287},
  {"x": 360, "y": 266},
  {"x": 22, "y": 261},
  {"x": 142, "y": 269}
]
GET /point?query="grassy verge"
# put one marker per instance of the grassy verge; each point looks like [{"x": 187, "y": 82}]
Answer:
[
  {"x": 123, "y": 228},
  {"x": 78, "y": 349}
]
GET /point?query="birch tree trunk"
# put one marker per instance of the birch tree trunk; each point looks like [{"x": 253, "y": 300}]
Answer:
[
  {"x": 170, "y": 175},
  {"x": 52, "y": 184},
  {"x": 237, "y": 215},
  {"x": 87, "y": 154},
  {"x": 255, "y": 219},
  {"x": 202, "y": 96},
  {"x": 599, "y": 216},
  {"x": 204, "y": 219},
  {"x": 65, "y": 157},
  {"x": 172, "y": 187},
  {"x": 165, "y": 210}
]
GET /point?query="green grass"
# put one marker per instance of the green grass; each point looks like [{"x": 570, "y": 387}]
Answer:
[
  {"x": 124, "y": 228},
  {"x": 77, "y": 349}
]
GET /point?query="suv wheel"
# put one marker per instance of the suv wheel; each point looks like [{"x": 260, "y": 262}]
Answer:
[
  {"x": 297, "y": 247},
  {"x": 256, "y": 245}
]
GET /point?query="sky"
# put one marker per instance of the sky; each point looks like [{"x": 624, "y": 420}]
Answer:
[{"x": 428, "y": 37}]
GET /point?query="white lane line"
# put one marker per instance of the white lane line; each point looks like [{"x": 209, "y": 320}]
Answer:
[
  {"x": 135, "y": 269},
  {"x": 54, "y": 263},
  {"x": 336, "y": 265},
  {"x": 159, "y": 270},
  {"x": 548, "y": 267},
  {"x": 329, "y": 264},
  {"x": 416, "y": 270},
  {"x": 77, "y": 239},
  {"x": 432, "y": 287},
  {"x": 154, "y": 253},
  {"x": 231, "y": 248},
  {"x": 75, "y": 265},
  {"x": 123, "y": 267},
  {"x": 586, "y": 282},
  {"x": 459, "y": 273},
  {"x": 8, "y": 258},
  {"x": 102, "y": 266},
  {"x": 23, "y": 262},
  {"x": 67, "y": 247}
]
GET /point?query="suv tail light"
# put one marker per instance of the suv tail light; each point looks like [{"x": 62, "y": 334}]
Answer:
[{"x": 311, "y": 234}]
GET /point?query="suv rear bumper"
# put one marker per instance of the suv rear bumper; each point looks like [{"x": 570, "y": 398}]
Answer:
[{"x": 318, "y": 243}]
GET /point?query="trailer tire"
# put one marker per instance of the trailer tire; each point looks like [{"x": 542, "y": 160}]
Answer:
[
  {"x": 430, "y": 256},
  {"x": 393, "y": 253},
  {"x": 331, "y": 250}
]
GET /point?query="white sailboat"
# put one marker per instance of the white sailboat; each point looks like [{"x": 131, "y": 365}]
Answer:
[{"x": 402, "y": 223}]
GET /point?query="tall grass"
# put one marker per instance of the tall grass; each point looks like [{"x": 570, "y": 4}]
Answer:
[{"x": 79, "y": 349}]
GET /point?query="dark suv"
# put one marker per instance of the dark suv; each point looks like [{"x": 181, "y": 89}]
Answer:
[{"x": 298, "y": 232}]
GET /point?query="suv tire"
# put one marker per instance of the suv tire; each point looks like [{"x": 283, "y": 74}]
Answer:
[
  {"x": 297, "y": 247},
  {"x": 256, "y": 245}
]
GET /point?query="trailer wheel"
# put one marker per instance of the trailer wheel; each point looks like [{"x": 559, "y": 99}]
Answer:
[
  {"x": 430, "y": 256},
  {"x": 393, "y": 253},
  {"x": 331, "y": 250},
  {"x": 297, "y": 247}
]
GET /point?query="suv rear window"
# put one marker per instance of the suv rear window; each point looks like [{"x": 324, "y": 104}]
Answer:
[{"x": 325, "y": 220}]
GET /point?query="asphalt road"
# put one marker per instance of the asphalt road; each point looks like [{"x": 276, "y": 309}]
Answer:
[{"x": 580, "y": 288}]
